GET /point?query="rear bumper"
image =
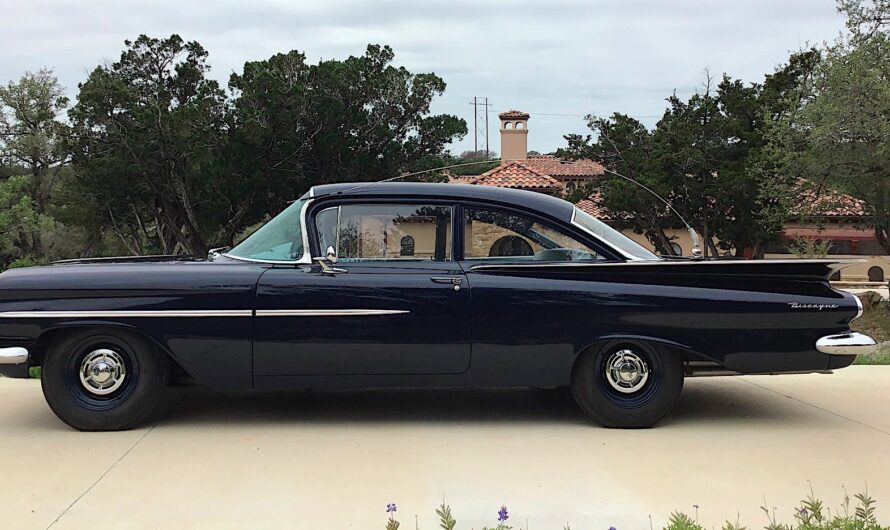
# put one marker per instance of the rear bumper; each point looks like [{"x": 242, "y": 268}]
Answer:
[
  {"x": 851, "y": 343},
  {"x": 14, "y": 361}
]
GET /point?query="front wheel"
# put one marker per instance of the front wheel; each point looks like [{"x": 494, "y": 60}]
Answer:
[
  {"x": 100, "y": 380},
  {"x": 627, "y": 384}
]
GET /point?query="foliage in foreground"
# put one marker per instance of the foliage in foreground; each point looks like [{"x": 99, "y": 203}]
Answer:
[{"x": 811, "y": 514}]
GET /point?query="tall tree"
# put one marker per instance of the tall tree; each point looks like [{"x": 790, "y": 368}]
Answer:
[
  {"x": 357, "y": 119},
  {"x": 624, "y": 145},
  {"x": 149, "y": 130},
  {"x": 32, "y": 137},
  {"x": 844, "y": 114}
]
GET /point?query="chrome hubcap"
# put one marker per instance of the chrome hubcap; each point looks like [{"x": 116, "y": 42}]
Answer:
[
  {"x": 626, "y": 371},
  {"x": 102, "y": 372}
]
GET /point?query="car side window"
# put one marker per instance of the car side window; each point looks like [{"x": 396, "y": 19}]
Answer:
[
  {"x": 496, "y": 235},
  {"x": 383, "y": 232}
]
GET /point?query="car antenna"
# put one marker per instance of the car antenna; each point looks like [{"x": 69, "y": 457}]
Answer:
[
  {"x": 413, "y": 174},
  {"x": 696, "y": 241}
]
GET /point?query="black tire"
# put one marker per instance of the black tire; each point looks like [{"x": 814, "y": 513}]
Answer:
[
  {"x": 146, "y": 375},
  {"x": 632, "y": 408}
]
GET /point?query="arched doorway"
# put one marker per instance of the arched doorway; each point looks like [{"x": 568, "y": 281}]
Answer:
[
  {"x": 406, "y": 246},
  {"x": 510, "y": 246},
  {"x": 875, "y": 274}
]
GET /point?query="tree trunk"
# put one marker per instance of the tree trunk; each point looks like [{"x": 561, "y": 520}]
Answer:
[{"x": 881, "y": 236}]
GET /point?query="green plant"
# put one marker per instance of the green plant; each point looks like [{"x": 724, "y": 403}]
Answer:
[
  {"x": 391, "y": 523},
  {"x": 446, "y": 521},
  {"x": 808, "y": 247},
  {"x": 681, "y": 521}
]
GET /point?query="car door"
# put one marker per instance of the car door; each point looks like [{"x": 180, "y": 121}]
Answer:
[
  {"x": 526, "y": 328},
  {"x": 394, "y": 302}
]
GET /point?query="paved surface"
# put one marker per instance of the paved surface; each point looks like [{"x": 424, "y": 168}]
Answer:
[{"x": 333, "y": 460}]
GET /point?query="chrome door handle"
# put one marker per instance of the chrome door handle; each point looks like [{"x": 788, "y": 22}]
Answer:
[{"x": 453, "y": 280}]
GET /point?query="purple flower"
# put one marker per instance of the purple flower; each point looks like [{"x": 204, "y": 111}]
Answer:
[
  {"x": 502, "y": 514},
  {"x": 391, "y": 507},
  {"x": 612, "y": 528},
  {"x": 802, "y": 511},
  {"x": 695, "y": 506}
]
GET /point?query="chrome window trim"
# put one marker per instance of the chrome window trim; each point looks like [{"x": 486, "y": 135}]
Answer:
[
  {"x": 178, "y": 313},
  {"x": 339, "y": 207},
  {"x": 327, "y": 312},
  {"x": 629, "y": 257},
  {"x": 305, "y": 259}
]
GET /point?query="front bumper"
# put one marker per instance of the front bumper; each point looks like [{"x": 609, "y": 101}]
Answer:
[
  {"x": 851, "y": 343},
  {"x": 14, "y": 361}
]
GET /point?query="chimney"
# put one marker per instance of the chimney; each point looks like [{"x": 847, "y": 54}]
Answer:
[{"x": 514, "y": 135}]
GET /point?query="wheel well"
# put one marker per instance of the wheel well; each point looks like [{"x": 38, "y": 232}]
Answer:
[
  {"x": 46, "y": 340},
  {"x": 672, "y": 349}
]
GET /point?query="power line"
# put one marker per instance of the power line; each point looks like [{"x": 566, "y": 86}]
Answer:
[{"x": 583, "y": 115}]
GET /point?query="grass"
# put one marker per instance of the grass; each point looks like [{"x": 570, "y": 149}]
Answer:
[
  {"x": 875, "y": 322},
  {"x": 854, "y": 513}
]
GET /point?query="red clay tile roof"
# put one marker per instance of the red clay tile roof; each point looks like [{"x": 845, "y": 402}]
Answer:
[
  {"x": 815, "y": 200},
  {"x": 513, "y": 115},
  {"x": 461, "y": 179},
  {"x": 565, "y": 169},
  {"x": 593, "y": 206},
  {"x": 517, "y": 175}
]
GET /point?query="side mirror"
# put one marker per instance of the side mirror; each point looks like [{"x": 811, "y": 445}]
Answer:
[{"x": 331, "y": 254}]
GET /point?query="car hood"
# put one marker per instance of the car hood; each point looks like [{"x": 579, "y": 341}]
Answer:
[{"x": 152, "y": 273}]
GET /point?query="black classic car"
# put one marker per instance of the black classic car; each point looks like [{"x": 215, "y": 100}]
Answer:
[{"x": 419, "y": 285}]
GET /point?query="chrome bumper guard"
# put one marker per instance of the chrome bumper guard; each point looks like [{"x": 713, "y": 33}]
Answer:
[
  {"x": 847, "y": 344},
  {"x": 15, "y": 355}
]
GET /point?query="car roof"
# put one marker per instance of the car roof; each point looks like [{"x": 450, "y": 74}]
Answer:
[{"x": 539, "y": 202}]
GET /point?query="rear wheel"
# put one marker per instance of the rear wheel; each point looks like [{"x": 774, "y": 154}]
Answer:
[
  {"x": 101, "y": 380},
  {"x": 627, "y": 384}
]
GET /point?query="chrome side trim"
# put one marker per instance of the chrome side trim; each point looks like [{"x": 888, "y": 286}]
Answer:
[
  {"x": 846, "y": 344},
  {"x": 859, "y": 305},
  {"x": 327, "y": 312},
  {"x": 173, "y": 313},
  {"x": 14, "y": 355},
  {"x": 655, "y": 263}
]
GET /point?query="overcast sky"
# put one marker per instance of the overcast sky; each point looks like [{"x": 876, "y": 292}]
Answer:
[{"x": 556, "y": 59}]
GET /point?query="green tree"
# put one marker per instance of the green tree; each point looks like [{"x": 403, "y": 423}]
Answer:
[
  {"x": 33, "y": 139},
  {"x": 18, "y": 221},
  {"x": 625, "y": 146},
  {"x": 844, "y": 114},
  {"x": 357, "y": 119},
  {"x": 149, "y": 130}
]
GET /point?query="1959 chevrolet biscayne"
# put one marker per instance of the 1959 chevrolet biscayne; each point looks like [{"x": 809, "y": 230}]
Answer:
[{"x": 418, "y": 285}]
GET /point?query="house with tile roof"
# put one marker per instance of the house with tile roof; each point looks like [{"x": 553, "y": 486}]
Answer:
[{"x": 819, "y": 214}]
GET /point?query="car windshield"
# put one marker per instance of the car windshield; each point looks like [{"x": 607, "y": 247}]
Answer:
[
  {"x": 281, "y": 239},
  {"x": 611, "y": 236}
]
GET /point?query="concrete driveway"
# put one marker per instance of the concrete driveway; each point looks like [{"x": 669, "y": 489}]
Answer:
[{"x": 333, "y": 460}]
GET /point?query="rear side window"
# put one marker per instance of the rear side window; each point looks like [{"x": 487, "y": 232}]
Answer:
[
  {"x": 495, "y": 235},
  {"x": 385, "y": 232}
]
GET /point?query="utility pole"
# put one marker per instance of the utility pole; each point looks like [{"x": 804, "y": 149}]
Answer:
[{"x": 481, "y": 107}]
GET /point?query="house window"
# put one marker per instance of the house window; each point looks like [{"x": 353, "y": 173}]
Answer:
[
  {"x": 407, "y": 244},
  {"x": 381, "y": 232},
  {"x": 494, "y": 235},
  {"x": 510, "y": 246}
]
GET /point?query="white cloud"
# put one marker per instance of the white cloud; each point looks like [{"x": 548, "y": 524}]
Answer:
[{"x": 554, "y": 57}]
